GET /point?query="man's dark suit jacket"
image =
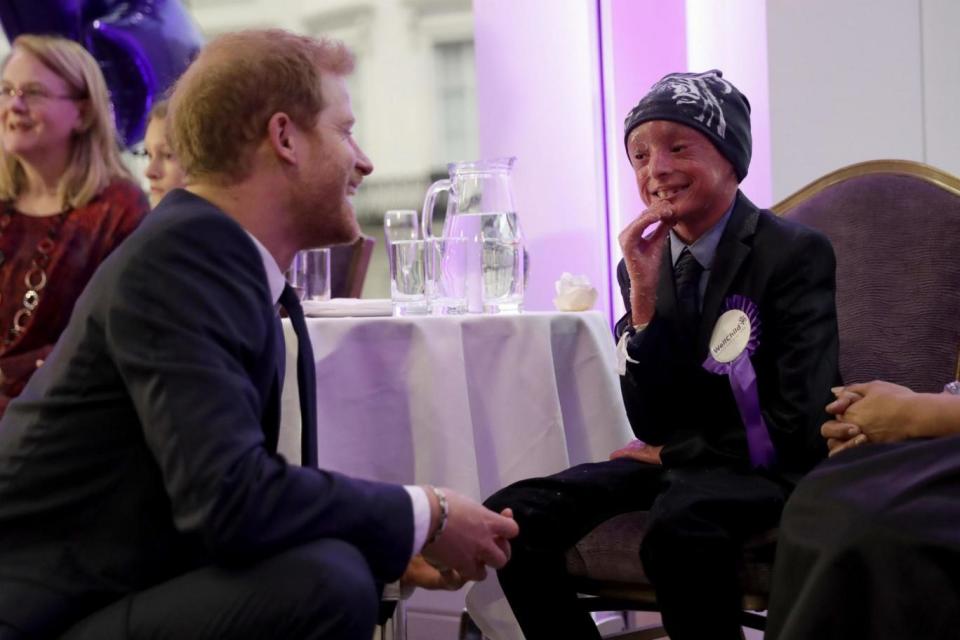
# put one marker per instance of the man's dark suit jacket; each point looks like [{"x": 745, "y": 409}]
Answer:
[
  {"x": 146, "y": 444},
  {"x": 788, "y": 271}
]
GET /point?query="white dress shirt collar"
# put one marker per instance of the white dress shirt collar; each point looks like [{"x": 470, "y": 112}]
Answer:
[
  {"x": 704, "y": 249},
  {"x": 275, "y": 279}
]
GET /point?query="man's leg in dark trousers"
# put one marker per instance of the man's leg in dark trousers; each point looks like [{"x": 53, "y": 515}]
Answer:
[
  {"x": 322, "y": 589},
  {"x": 690, "y": 552},
  {"x": 553, "y": 514}
]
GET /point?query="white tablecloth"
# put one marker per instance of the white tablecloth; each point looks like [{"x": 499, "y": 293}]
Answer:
[{"x": 469, "y": 402}]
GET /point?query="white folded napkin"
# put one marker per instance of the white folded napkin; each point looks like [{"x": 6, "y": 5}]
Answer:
[
  {"x": 345, "y": 307},
  {"x": 574, "y": 293}
]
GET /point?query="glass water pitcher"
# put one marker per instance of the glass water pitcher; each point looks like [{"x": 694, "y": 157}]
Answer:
[{"x": 480, "y": 208}]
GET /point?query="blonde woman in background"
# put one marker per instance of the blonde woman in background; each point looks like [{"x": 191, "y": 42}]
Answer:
[
  {"x": 66, "y": 200},
  {"x": 163, "y": 171}
]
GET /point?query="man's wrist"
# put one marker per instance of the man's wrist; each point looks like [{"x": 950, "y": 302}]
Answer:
[
  {"x": 439, "y": 513},
  {"x": 640, "y": 316},
  {"x": 634, "y": 329},
  {"x": 643, "y": 298}
]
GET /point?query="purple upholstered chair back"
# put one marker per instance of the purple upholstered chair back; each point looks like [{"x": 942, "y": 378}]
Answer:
[
  {"x": 895, "y": 227},
  {"x": 348, "y": 267}
]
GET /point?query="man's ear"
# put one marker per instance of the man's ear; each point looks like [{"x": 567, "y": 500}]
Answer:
[{"x": 282, "y": 135}]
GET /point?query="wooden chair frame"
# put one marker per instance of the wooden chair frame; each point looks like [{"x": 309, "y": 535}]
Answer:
[{"x": 932, "y": 175}]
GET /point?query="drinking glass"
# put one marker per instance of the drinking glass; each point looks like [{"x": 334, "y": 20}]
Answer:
[
  {"x": 448, "y": 275},
  {"x": 408, "y": 277},
  {"x": 399, "y": 224},
  {"x": 309, "y": 274},
  {"x": 494, "y": 235},
  {"x": 502, "y": 276}
]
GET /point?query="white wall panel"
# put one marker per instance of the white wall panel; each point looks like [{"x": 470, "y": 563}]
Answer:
[
  {"x": 940, "y": 22},
  {"x": 846, "y": 85}
]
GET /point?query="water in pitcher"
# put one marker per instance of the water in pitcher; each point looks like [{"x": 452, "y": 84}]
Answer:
[{"x": 494, "y": 264}]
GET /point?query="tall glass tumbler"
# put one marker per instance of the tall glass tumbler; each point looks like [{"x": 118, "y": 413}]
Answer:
[
  {"x": 408, "y": 277},
  {"x": 309, "y": 274},
  {"x": 448, "y": 275},
  {"x": 502, "y": 276},
  {"x": 399, "y": 224}
]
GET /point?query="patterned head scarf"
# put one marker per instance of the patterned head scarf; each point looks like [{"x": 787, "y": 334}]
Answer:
[{"x": 705, "y": 102}]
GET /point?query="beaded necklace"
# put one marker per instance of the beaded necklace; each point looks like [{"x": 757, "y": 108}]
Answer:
[{"x": 36, "y": 277}]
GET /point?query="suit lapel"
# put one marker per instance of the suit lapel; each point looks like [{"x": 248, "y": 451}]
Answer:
[{"x": 735, "y": 245}]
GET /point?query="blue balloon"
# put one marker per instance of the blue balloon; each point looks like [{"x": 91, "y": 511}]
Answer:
[
  {"x": 58, "y": 17},
  {"x": 142, "y": 46}
]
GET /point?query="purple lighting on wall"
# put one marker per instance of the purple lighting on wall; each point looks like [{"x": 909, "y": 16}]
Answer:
[
  {"x": 641, "y": 41},
  {"x": 538, "y": 98}
]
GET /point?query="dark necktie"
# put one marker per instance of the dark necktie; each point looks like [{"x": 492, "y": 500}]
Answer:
[
  {"x": 686, "y": 274},
  {"x": 306, "y": 378}
]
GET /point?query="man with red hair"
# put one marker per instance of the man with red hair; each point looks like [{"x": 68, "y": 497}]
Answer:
[{"x": 141, "y": 494}]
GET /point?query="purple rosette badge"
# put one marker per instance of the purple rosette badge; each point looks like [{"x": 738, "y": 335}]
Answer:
[{"x": 734, "y": 339}]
